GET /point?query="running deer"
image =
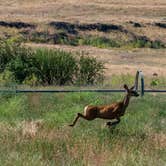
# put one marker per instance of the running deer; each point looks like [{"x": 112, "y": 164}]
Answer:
[{"x": 113, "y": 111}]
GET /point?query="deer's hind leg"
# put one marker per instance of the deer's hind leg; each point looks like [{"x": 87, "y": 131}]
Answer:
[{"x": 75, "y": 120}]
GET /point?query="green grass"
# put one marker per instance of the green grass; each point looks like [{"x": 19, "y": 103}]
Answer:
[
  {"x": 100, "y": 42},
  {"x": 94, "y": 40},
  {"x": 153, "y": 82},
  {"x": 34, "y": 131}
]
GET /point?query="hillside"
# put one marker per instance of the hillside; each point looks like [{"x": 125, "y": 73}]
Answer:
[{"x": 127, "y": 35}]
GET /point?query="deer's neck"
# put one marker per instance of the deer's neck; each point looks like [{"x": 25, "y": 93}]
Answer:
[{"x": 126, "y": 101}]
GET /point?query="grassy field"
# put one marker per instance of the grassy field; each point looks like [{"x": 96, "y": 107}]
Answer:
[
  {"x": 34, "y": 131},
  {"x": 126, "y": 35}
]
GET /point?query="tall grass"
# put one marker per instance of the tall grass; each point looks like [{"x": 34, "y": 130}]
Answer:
[
  {"x": 34, "y": 131},
  {"x": 55, "y": 67}
]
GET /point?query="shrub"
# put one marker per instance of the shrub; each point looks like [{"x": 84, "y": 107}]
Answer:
[
  {"x": 31, "y": 80},
  {"x": 16, "y": 58},
  {"x": 157, "y": 44},
  {"x": 6, "y": 78},
  {"x": 7, "y": 51},
  {"x": 11, "y": 50},
  {"x": 22, "y": 65},
  {"x": 90, "y": 71},
  {"x": 47, "y": 67},
  {"x": 146, "y": 43},
  {"x": 101, "y": 42},
  {"x": 55, "y": 67}
]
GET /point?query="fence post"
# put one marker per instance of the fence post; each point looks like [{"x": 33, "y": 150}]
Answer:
[{"x": 139, "y": 74}]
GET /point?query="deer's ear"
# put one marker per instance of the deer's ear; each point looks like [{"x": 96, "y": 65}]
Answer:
[{"x": 126, "y": 87}]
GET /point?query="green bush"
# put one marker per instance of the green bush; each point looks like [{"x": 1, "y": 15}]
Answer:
[
  {"x": 157, "y": 44},
  {"x": 48, "y": 67},
  {"x": 90, "y": 71},
  {"x": 7, "y": 52},
  {"x": 101, "y": 42},
  {"x": 141, "y": 43},
  {"x": 17, "y": 59},
  {"x": 6, "y": 78},
  {"x": 31, "y": 80},
  {"x": 22, "y": 65}
]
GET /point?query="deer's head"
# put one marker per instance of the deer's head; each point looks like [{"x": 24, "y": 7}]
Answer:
[{"x": 131, "y": 91}]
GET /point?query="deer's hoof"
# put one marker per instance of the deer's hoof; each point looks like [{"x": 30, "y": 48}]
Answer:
[{"x": 108, "y": 124}]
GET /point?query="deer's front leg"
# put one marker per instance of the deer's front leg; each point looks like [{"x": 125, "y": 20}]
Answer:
[{"x": 113, "y": 123}]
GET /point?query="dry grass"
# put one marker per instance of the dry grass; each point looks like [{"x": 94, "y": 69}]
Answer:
[
  {"x": 158, "y": 140},
  {"x": 103, "y": 11},
  {"x": 83, "y": 10},
  {"x": 30, "y": 128}
]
